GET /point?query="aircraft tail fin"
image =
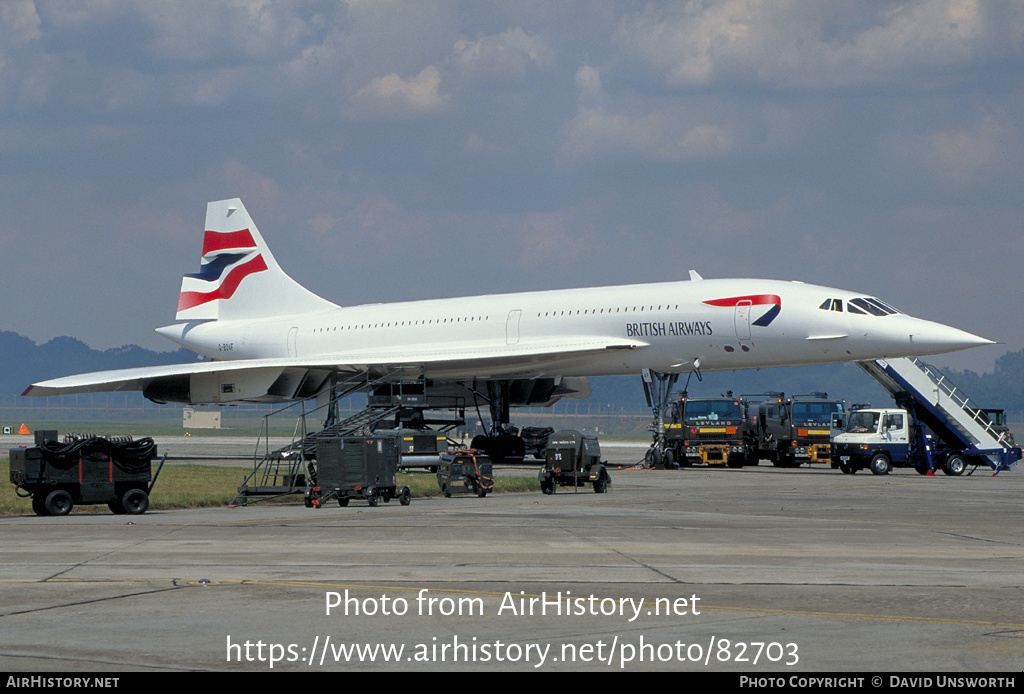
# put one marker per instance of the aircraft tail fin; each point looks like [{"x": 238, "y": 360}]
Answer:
[{"x": 238, "y": 276}]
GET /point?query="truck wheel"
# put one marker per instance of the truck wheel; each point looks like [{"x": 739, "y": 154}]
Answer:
[
  {"x": 444, "y": 490},
  {"x": 135, "y": 501},
  {"x": 373, "y": 497},
  {"x": 547, "y": 487},
  {"x": 59, "y": 503},
  {"x": 955, "y": 465},
  {"x": 39, "y": 504},
  {"x": 847, "y": 469},
  {"x": 880, "y": 465},
  {"x": 343, "y": 501},
  {"x": 404, "y": 496},
  {"x": 600, "y": 485}
]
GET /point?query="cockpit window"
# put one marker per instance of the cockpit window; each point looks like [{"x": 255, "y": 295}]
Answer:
[
  {"x": 869, "y": 307},
  {"x": 884, "y": 306},
  {"x": 860, "y": 305}
]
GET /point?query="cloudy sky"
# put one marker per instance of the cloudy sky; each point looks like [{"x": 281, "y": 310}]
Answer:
[{"x": 400, "y": 149}]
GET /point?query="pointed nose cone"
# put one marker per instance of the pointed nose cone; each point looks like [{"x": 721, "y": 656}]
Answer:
[{"x": 927, "y": 337}]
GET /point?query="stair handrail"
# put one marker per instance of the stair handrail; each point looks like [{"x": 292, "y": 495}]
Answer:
[{"x": 962, "y": 401}]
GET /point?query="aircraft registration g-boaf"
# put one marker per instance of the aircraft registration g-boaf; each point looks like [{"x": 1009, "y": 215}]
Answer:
[{"x": 269, "y": 339}]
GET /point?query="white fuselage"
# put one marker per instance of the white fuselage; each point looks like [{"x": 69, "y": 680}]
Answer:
[
  {"x": 663, "y": 326},
  {"x": 271, "y": 339}
]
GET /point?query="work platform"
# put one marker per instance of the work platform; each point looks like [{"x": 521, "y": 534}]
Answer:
[{"x": 393, "y": 410}]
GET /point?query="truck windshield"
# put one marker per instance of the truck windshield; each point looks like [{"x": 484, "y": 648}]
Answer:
[
  {"x": 818, "y": 412},
  {"x": 863, "y": 422},
  {"x": 713, "y": 411}
]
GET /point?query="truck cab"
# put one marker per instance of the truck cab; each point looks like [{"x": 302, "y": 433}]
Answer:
[
  {"x": 796, "y": 430},
  {"x": 880, "y": 439},
  {"x": 710, "y": 431}
]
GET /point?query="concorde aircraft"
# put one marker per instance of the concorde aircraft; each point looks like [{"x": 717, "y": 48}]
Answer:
[{"x": 268, "y": 339}]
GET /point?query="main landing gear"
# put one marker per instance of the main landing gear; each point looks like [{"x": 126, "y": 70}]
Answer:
[{"x": 502, "y": 443}]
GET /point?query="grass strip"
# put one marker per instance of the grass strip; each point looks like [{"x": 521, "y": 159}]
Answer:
[{"x": 199, "y": 486}]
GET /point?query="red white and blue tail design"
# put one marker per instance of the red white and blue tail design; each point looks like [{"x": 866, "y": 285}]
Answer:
[{"x": 238, "y": 277}]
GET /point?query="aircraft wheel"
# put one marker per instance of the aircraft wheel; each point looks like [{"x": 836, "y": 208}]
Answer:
[
  {"x": 955, "y": 465},
  {"x": 656, "y": 457},
  {"x": 880, "y": 464},
  {"x": 59, "y": 503},
  {"x": 669, "y": 460}
]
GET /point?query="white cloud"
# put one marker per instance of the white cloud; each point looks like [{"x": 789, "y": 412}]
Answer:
[
  {"x": 805, "y": 43},
  {"x": 19, "y": 22},
  {"x": 393, "y": 96},
  {"x": 507, "y": 55},
  {"x": 661, "y": 135}
]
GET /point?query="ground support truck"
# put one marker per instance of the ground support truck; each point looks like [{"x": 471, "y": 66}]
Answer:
[
  {"x": 797, "y": 430},
  {"x": 709, "y": 431},
  {"x": 465, "y": 471},
  {"x": 934, "y": 426}
]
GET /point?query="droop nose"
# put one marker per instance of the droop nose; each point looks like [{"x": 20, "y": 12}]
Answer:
[{"x": 936, "y": 338}]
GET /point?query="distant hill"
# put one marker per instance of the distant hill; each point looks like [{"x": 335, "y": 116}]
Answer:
[{"x": 25, "y": 362}]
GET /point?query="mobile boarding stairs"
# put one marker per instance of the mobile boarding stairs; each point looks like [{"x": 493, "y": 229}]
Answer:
[{"x": 929, "y": 396}]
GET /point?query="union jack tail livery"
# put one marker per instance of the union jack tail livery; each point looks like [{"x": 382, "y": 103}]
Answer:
[{"x": 238, "y": 276}]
